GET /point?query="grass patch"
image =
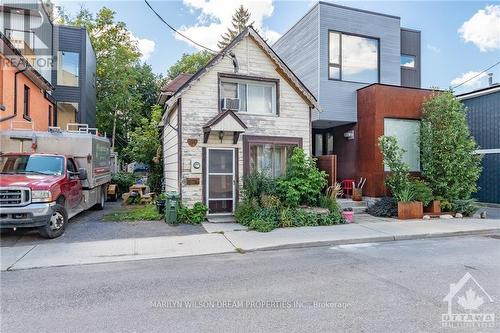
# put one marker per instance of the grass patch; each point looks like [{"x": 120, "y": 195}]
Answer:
[{"x": 138, "y": 213}]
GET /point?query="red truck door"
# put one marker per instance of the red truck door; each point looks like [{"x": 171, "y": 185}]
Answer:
[{"x": 74, "y": 184}]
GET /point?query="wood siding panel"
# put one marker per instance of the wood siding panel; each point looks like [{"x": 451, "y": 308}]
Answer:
[{"x": 170, "y": 153}]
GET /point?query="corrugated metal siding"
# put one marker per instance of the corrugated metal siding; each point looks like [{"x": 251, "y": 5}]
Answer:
[
  {"x": 299, "y": 48},
  {"x": 338, "y": 98},
  {"x": 89, "y": 91},
  {"x": 483, "y": 117},
  {"x": 410, "y": 45}
]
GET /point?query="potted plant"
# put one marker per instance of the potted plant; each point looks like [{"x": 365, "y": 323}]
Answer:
[
  {"x": 423, "y": 193},
  {"x": 348, "y": 215},
  {"x": 408, "y": 207}
]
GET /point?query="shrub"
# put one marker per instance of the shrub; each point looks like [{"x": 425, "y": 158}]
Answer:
[
  {"x": 385, "y": 207},
  {"x": 466, "y": 207},
  {"x": 245, "y": 211},
  {"x": 194, "y": 215},
  {"x": 449, "y": 163},
  {"x": 257, "y": 184},
  {"x": 423, "y": 192},
  {"x": 399, "y": 178},
  {"x": 286, "y": 217},
  {"x": 262, "y": 225},
  {"x": 270, "y": 201},
  {"x": 303, "y": 181},
  {"x": 124, "y": 180}
]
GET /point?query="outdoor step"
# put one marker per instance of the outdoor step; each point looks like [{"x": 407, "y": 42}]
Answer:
[
  {"x": 221, "y": 219},
  {"x": 358, "y": 210},
  {"x": 348, "y": 203}
]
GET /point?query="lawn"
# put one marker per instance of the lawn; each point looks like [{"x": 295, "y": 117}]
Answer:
[{"x": 135, "y": 213}]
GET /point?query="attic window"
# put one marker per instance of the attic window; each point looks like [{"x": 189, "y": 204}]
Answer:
[{"x": 255, "y": 97}]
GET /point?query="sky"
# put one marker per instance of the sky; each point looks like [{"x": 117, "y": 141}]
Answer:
[{"x": 459, "y": 39}]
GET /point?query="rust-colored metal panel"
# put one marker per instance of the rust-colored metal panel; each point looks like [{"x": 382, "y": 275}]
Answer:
[
  {"x": 328, "y": 164},
  {"x": 376, "y": 102}
]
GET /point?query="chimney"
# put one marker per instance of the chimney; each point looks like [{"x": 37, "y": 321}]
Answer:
[{"x": 490, "y": 79}]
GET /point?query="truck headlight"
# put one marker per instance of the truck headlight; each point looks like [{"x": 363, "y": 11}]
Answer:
[{"x": 41, "y": 196}]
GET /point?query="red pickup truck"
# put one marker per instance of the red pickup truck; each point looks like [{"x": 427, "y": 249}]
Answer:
[{"x": 44, "y": 190}]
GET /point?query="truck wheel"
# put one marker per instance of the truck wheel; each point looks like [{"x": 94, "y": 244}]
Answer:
[
  {"x": 102, "y": 199},
  {"x": 57, "y": 224}
]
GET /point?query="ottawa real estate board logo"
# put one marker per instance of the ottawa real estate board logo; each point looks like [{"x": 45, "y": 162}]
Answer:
[{"x": 467, "y": 302}]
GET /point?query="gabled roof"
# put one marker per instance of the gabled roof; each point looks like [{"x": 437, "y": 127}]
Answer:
[
  {"x": 285, "y": 70},
  {"x": 219, "y": 117},
  {"x": 171, "y": 87}
]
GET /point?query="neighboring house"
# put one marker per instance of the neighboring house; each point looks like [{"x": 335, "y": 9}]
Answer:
[
  {"x": 243, "y": 111},
  {"x": 483, "y": 116},
  {"x": 62, "y": 55},
  {"x": 25, "y": 101},
  {"x": 354, "y": 61},
  {"x": 75, "y": 76}
]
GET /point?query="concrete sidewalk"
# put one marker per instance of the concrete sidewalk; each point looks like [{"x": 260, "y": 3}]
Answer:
[{"x": 62, "y": 254}]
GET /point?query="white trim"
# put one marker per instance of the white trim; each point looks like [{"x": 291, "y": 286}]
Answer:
[
  {"x": 479, "y": 93},
  {"x": 488, "y": 151},
  {"x": 208, "y": 174}
]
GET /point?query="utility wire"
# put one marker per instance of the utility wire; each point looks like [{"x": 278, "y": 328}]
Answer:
[
  {"x": 487, "y": 69},
  {"x": 175, "y": 30}
]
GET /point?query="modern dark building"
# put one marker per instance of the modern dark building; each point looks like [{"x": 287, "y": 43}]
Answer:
[
  {"x": 74, "y": 76},
  {"x": 63, "y": 56},
  {"x": 483, "y": 116},
  {"x": 356, "y": 62}
]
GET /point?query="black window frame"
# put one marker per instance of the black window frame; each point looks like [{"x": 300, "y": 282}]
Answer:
[
  {"x": 339, "y": 65},
  {"x": 26, "y": 103},
  {"x": 50, "y": 115}
]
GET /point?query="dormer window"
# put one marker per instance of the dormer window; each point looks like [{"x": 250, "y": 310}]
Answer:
[{"x": 255, "y": 97}]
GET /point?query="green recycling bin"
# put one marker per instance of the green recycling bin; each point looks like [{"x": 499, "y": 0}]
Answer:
[{"x": 171, "y": 208}]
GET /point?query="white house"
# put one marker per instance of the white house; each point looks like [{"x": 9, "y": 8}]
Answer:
[{"x": 244, "y": 110}]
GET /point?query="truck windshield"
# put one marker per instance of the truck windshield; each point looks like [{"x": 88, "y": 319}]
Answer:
[{"x": 32, "y": 164}]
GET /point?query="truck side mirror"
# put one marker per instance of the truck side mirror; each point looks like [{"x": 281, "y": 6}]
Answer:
[{"x": 82, "y": 174}]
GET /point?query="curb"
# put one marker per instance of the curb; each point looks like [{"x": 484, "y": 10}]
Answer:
[{"x": 381, "y": 239}]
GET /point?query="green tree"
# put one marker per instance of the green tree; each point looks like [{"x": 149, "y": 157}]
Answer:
[
  {"x": 144, "y": 146},
  {"x": 125, "y": 88},
  {"x": 239, "y": 22},
  {"x": 449, "y": 163},
  {"x": 189, "y": 63}
]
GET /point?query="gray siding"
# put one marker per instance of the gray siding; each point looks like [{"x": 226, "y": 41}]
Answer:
[
  {"x": 410, "y": 45},
  {"x": 338, "y": 98},
  {"x": 299, "y": 49},
  {"x": 483, "y": 117},
  {"x": 74, "y": 39}
]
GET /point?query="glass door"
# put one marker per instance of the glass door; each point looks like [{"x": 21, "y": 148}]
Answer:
[{"x": 220, "y": 180}]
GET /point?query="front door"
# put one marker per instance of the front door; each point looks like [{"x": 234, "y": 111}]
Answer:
[{"x": 220, "y": 187}]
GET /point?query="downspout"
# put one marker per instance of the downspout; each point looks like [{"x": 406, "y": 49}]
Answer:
[{"x": 15, "y": 96}]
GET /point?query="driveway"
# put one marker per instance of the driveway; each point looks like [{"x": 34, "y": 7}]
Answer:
[{"x": 90, "y": 226}]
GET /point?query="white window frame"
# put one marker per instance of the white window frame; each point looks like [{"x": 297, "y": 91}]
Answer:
[
  {"x": 387, "y": 122},
  {"x": 273, "y": 85}
]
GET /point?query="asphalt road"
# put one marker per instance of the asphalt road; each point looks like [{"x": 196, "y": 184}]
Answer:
[
  {"x": 89, "y": 226},
  {"x": 387, "y": 287}
]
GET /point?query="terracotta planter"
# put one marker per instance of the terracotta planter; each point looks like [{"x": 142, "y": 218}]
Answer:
[
  {"x": 410, "y": 210},
  {"x": 357, "y": 194},
  {"x": 434, "y": 207}
]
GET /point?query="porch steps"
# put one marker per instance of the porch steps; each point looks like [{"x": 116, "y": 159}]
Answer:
[
  {"x": 221, "y": 219},
  {"x": 357, "y": 206}
]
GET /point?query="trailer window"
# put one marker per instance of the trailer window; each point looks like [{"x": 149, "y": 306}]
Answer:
[{"x": 34, "y": 164}]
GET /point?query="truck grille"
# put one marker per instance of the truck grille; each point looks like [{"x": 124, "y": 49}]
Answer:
[{"x": 14, "y": 197}]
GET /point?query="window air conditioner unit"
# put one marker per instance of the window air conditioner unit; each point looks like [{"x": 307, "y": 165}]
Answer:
[{"x": 232, "y": 104}]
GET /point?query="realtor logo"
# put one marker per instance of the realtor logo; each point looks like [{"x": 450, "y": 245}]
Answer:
[{"x": 465, "y": 299}]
